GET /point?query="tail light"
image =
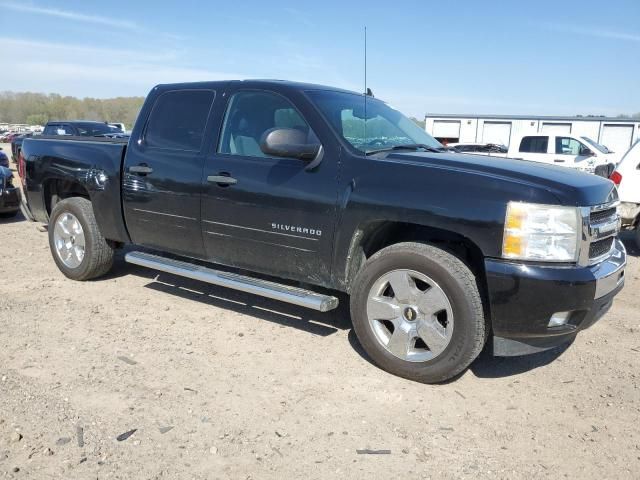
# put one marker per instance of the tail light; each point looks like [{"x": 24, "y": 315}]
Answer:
[
  {"x": 21, "y": 167},
  {"x": 616, "y": 177}
]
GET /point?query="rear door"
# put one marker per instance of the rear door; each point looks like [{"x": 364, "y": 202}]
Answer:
[
  {"x": 264, "y": 213},
  {"x": 163, "y": 171},
  {"x": 534, "y": 148}
]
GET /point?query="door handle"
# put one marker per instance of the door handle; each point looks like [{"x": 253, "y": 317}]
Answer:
[
  {"x": 558, "y": 160},
  {"x": 141, "y": 169},
  {"x": 222, "y": 179}
]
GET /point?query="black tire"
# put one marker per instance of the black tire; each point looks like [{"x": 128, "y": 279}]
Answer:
[
  {"x": 636, "y": 235},
  {"x": 98, "y": 255},
  {"x": 456, "y": 280}
]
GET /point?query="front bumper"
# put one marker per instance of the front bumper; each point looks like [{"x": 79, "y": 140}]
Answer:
[
  {"x": 9, "y": 200},
  {"x": 523, "y": 297}
]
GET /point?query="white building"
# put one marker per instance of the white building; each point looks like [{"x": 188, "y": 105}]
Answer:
[{"x": 618, "y": 134}]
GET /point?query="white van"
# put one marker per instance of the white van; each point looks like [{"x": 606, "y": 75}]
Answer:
[
  {"x": 627, "y": 177},
  {"x": 565, "y": 150}
]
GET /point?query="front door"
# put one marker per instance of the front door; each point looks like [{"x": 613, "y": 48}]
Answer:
[
  {"x": 263, "y": 213},
  {"x": 162, "y": 174},
  {"x": 571, "y": 152}
]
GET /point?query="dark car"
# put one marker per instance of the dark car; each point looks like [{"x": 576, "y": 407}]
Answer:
[
  {"x": 486, "y": 148},
  {"x": 81, "y": 128},
  {"x": 9, "y": 194},
  {"x": 8, "y": 137},
  {"x": 4, "y": 160},
  {"x": 16, "y": 145},
  {"x": 308, "y": 185}
]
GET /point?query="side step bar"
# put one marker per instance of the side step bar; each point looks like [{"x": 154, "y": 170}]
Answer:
[{"x": 276, "y": 291}]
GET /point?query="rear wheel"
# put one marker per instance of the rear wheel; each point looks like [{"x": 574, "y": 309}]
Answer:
[
  {"x": 417, "y": 312},
  {"x": 77, "y": 246}
]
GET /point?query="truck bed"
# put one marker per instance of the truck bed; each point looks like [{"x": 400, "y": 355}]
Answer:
[{"x": 93, "y": 163}]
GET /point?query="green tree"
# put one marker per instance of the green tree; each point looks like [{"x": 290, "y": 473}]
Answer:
[
  {"x": 38, "y": 108},
  {"x": 37, "y": 119},
  {"x": 420, "y": 123}
]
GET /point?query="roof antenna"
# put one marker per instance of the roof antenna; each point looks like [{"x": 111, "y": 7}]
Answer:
[{"x": 366, "y": 90}]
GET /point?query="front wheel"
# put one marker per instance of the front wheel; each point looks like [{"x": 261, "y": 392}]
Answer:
[
  {"x": 417, "y": 312},
  {"x": 77, "y": 246}
]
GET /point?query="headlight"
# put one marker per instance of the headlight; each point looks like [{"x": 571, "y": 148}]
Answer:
[{"x": 545, "y": 233}]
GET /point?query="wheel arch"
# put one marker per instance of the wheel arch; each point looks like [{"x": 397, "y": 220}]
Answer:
[
  {"x": 375, "y": 236},
  {"x": 56, "y": 189}
]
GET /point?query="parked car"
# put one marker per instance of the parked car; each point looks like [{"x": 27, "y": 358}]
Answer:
[
  {"x": 9, "y": 194},
  {"x": 438, "y": 251},
  {"x": 16, "y": 145},
  {"x": 8, "y": 137},
  {"x": 627, "y": 177},
  {"x": 119, "y": 126},
  {"x": 564, "y": 150},
  {"x": 4, "y": 160},
  {"x": 479, "y": 148},
  {"x": 82, "y": 129}
]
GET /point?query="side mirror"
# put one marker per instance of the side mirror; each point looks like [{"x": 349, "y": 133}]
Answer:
[
  {"x": 288, "y": 142},
  {"x": 586, "y": 152}
]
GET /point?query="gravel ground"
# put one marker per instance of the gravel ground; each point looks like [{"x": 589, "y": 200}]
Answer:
[{"x": 209, "y": 383}]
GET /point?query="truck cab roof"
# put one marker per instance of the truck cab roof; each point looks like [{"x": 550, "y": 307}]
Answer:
[{"x": 273, "y": 84}]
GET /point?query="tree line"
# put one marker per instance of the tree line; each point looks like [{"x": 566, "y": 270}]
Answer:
[{"x": 39, "y": 108}]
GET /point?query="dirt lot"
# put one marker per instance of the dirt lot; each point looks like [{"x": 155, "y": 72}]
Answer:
[{"x": 219, "y": 384}]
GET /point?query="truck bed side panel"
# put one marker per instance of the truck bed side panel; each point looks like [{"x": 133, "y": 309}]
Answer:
[{"x": 93, "y": 164}]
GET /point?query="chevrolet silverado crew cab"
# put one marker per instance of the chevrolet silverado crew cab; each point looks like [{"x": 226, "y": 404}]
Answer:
[{"x": 315, "y": 190}]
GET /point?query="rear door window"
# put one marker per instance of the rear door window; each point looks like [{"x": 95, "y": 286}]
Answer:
[
  {"x": 537, "y": 144},
  {"x": 178, "y": 120}
]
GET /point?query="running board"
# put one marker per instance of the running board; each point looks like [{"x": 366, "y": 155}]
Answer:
[{"x": 276, "y": 291}]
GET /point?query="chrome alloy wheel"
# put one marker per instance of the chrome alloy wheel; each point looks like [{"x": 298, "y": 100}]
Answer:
[
  {"x": 68, "y": 238},
  {"x": 410, "y": 315}
]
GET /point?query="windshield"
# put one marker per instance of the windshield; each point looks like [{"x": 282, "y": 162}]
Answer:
[
  {"x": 369, "y": 124},
  {"x": 597, "y": 146},
  {"x": 95, "y": 129}
]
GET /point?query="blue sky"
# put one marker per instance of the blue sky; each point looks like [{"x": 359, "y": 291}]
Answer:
[{"x": 541, "y": 57}]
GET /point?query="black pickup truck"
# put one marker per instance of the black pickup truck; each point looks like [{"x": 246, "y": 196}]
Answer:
[{"x": 317, "y": 190}]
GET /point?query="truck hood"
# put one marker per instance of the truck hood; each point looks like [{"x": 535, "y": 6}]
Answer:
[{"x": 571, "y": 187}]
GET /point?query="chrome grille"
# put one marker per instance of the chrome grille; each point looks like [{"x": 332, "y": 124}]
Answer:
[
  {"x": 601, "y": 215},
  {"x": 600, "y": 225},
  {"x": 600, "y": 247}
]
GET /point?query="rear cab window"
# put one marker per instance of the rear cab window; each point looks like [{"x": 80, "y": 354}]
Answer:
[
  {"x": 57, "y": 129},
  {"x": 178, "y": 120},
  {"x": 534, "y": 144}
]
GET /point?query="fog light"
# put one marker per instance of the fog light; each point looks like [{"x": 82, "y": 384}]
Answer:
[{"x": 559, "y": 318}]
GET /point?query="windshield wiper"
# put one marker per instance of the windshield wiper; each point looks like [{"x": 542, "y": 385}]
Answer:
[{"x": 408, "y": 146}]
